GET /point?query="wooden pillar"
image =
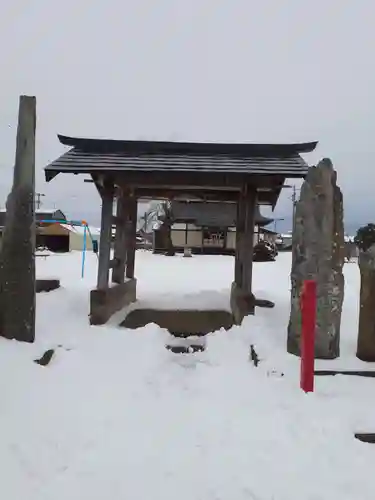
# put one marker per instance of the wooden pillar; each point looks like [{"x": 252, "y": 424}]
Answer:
[
  {"x": 245, "y": 240},
  {"x": 240, "y": 227},
  {"x": 119, "y": 254},
  {"x": 131, "y": 236},
  {"x": 107, "y": 193}
]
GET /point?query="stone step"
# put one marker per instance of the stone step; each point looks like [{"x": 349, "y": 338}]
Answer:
[{"x": 180, "y": 323}]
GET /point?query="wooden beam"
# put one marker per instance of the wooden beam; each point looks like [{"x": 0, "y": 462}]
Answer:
[
  {"x": 353, "y": 373},
  {"x": 245, "y": 239},
  {"x": 131, "y": 237},
  {"x": 95, "y": 180},
  {"x": 113, "y": 264},
  {"x": 101, "y": 182},
  {"x": 248, "y": 239},
  {"x": 240, "y": 228},
  {"x": 117, "y": 220},
  {"x": 181, "y": 194},
  {"x": 105, "y": 236},
  {"x": 268, "y": 189},
  {"x": 199, "y": 194},
  {"x": 120, "y": 248},
  {"x": 223, "y": 181}
]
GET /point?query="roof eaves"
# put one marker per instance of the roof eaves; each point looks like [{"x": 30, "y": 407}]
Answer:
[{"x": 208, "y": 148}]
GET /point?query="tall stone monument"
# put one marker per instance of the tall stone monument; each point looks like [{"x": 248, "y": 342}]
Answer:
[
  {"x": 318, "y": 253},
  {"x": 365, "y": 240},
  {"x": 17, "y": 258}
]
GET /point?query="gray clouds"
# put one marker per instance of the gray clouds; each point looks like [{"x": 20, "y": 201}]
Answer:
[{"x": 242, "y": 70}]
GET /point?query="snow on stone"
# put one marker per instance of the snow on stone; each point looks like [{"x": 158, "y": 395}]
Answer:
[{"x": 116, "y": 415}]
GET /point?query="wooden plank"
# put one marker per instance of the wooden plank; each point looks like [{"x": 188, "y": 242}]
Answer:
[
  {"x": 181, "y": 194},
  {"x": 120, "y": 248},
  {"x": 113, "y": 264},
  {"x": 117, "y": 220},
  {"x": 216, "y": 181},
  {"x": 208, "y": 187},
  {"x": 200, "y": 194},
  {"x": 248, "y": 239},
  {"x": 245, "y": 239},
  {"x": 240, "y": 228},
  {"x": 353, "y": 373},
  {"x": 105, "y": 236},
  {"x": 131, "y": 237}
]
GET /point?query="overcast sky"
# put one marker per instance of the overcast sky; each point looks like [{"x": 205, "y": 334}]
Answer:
[{"x": 202, "y": 70}]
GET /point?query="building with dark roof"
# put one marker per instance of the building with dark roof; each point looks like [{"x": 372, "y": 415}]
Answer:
[
  {"x": 212, "y": 214},
  {"x": 246, "y": 174},
  {"x": 209, "y": 227},
  {"x": 40, "y": 214}
]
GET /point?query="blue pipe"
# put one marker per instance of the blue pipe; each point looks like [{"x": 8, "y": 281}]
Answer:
[
  {"x": 84, "y": 250},
  {"x": 85, "y": 231}
]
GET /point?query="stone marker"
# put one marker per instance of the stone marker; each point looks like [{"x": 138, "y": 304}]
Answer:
[
  {"x": 17, "y": 258},
  {"x": 318, "y": 253},
  {"x": 365, "y": 240}
]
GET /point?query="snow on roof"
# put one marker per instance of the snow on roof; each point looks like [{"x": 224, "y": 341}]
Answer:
[
  {"x": 37, "y": 211},
  {"x": 80, "y": 229},
  {"x": 348, "y": 239}
]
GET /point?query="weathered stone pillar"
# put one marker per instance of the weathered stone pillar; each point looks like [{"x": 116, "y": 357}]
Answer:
[
  {"x": 318, "y": 253},
  {"x": 366, "y": 262},
  {"x": 17, "y": 263}
]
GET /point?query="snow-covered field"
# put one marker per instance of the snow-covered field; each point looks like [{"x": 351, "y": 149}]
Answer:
[{"x": 117, "y": 416}]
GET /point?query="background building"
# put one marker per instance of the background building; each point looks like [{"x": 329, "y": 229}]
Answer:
[
  {"x": 209, "y": 227},
  {"x": 57, "y": 237}
]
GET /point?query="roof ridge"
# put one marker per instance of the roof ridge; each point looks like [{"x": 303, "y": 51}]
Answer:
[{"x": 171, "y": 147}]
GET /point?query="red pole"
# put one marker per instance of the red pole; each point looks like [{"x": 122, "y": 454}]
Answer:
[{"x": 308, "y": 322}]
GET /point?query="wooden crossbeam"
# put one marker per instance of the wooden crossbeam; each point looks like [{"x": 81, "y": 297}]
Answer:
[{"x": 353, "y": 373}]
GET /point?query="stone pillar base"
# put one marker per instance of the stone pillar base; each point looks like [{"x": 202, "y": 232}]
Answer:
[
  {"x": 46, "y": 285},
  {"x": 242, "y": 303},
  {"x": 104, "y": 303}
]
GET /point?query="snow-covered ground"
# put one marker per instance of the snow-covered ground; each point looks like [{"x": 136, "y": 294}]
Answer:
[{"x": 117, "y": 416}]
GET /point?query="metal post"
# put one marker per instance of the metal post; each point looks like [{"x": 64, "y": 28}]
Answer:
[{"x": 84, "y": 250}]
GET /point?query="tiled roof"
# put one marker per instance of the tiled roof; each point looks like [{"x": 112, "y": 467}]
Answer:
[
  {"x": 40, "y": 214},
  {"x": 92, "y": 155},
  {"x": 211, "y": 214}
]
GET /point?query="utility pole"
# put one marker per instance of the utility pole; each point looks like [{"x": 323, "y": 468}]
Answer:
[
  {"x": 38, "y": 201},
  {"x": 275, "y": 221}
]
